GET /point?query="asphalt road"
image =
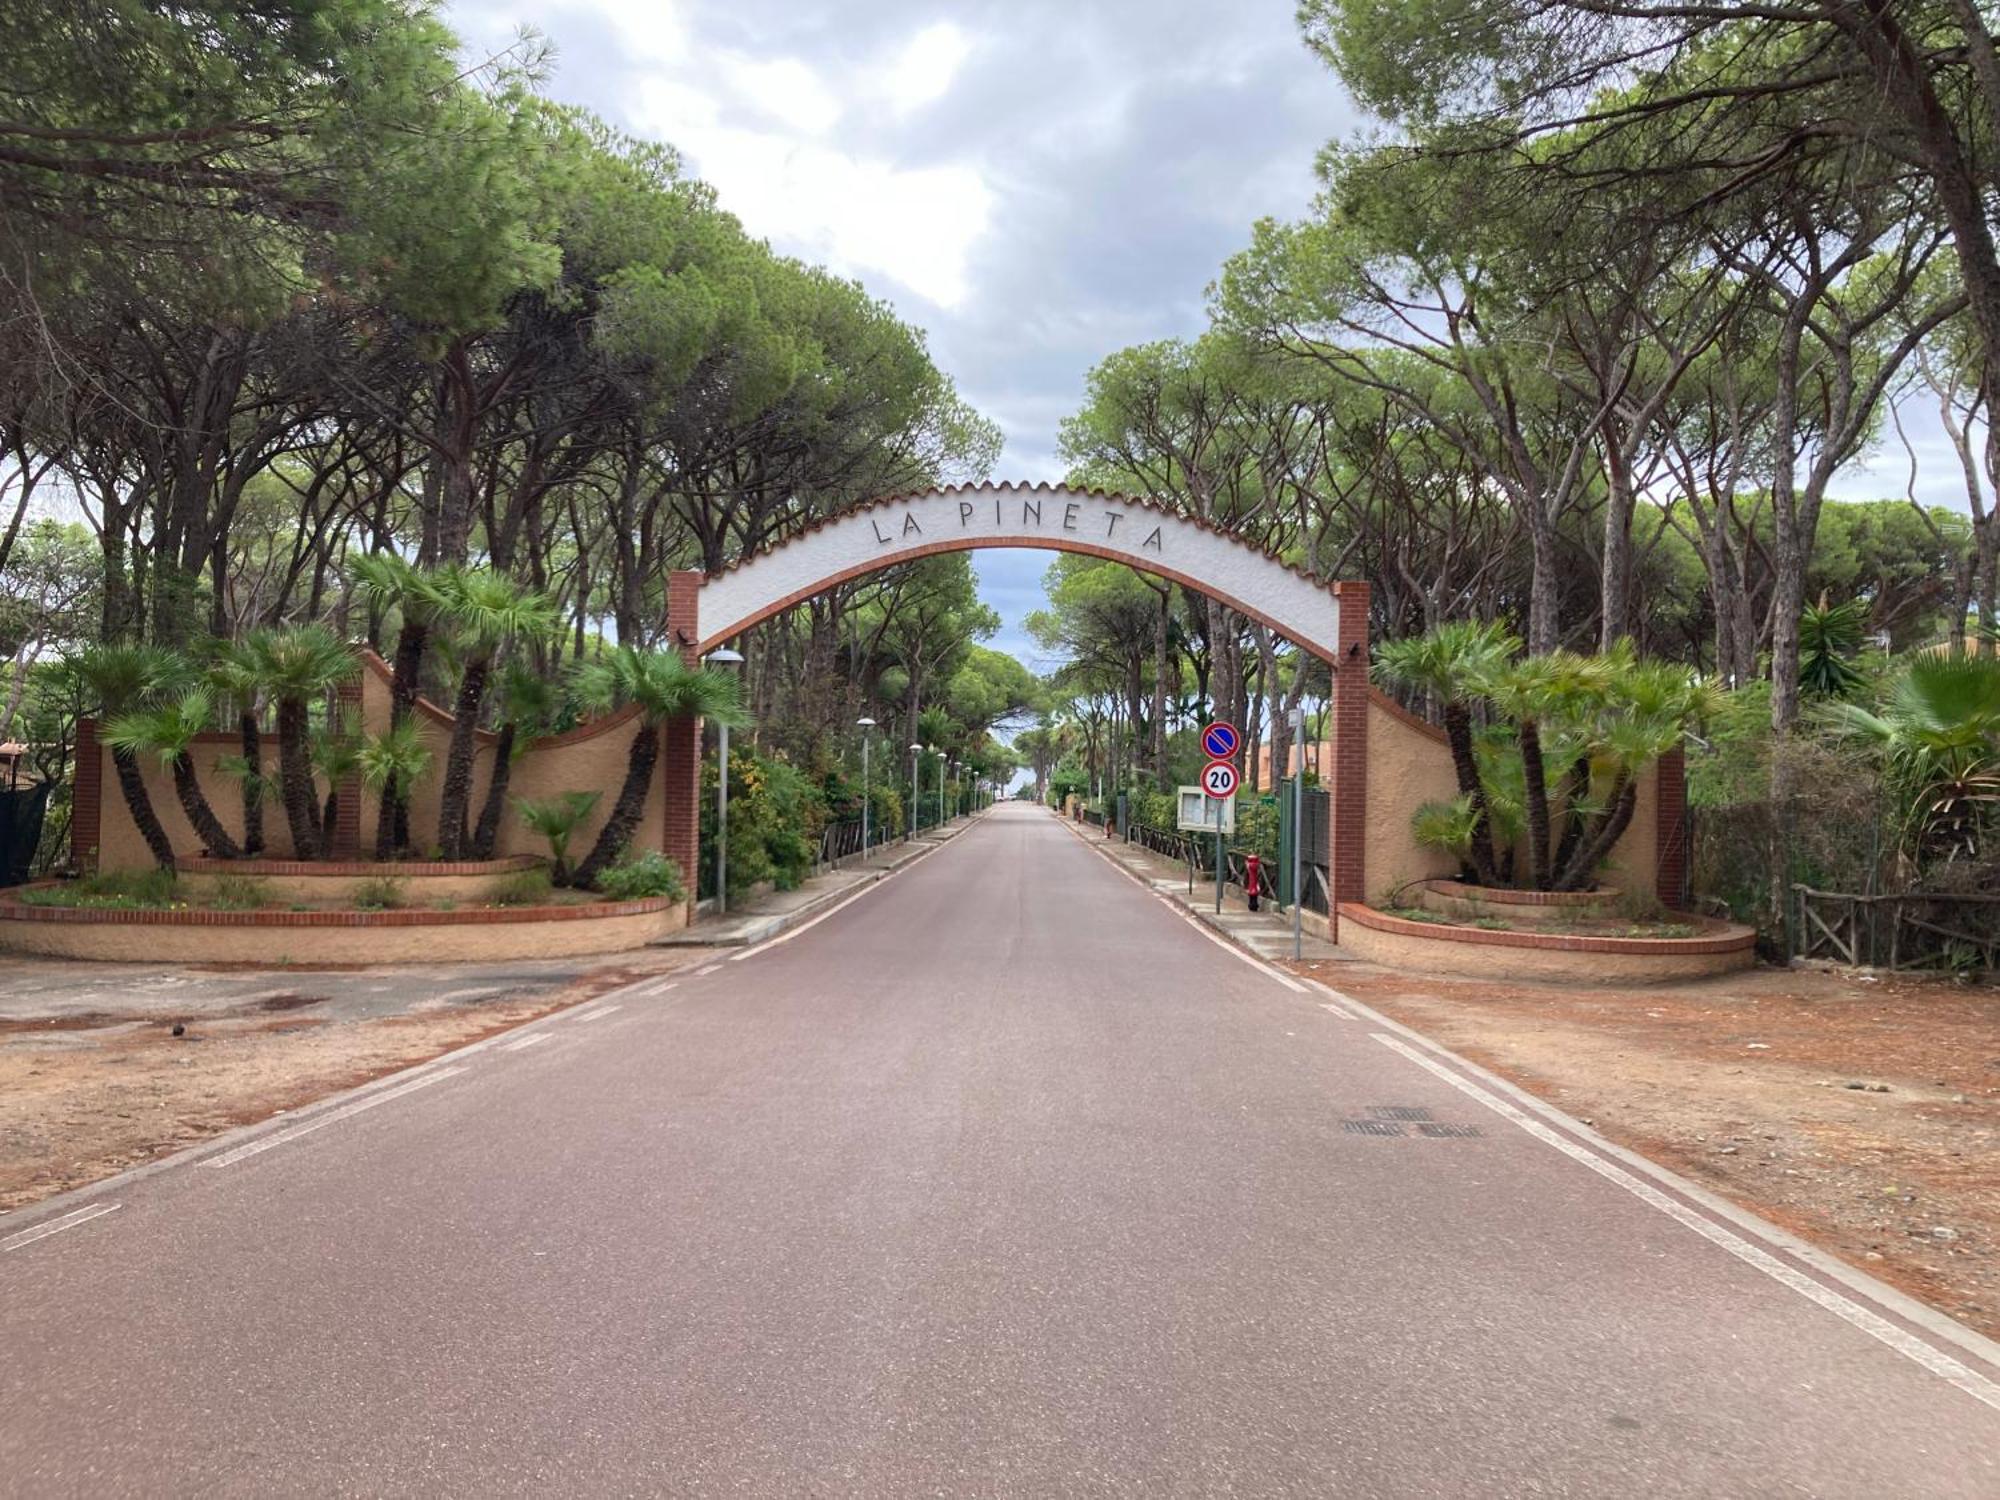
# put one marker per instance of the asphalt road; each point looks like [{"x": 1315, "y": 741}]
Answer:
[{"x": 1003, "y": 1179}]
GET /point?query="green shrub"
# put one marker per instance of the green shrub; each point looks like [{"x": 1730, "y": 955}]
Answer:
[
  {"x": 240, "y": 893},
  {"x": 381, "y": 893},
  {"x": 112, "y": 890},
  {"x": 638, "y": 877},
  {"x": 528, "y": 888}
]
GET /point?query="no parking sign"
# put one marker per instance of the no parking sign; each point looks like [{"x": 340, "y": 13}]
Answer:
[{"x": 1220, "y": 740}]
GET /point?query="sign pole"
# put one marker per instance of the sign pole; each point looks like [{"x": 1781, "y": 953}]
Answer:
[{"x": 1218, "y": 863}]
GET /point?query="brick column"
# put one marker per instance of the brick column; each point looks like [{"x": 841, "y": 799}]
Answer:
[
  {"x": 1347, "y": 854},
  {"x": 680, "y": 749},
  {"x": 346, "y": 841},
  {"x": 86, "y": 808},
  {"x": 1670, "y": 830}
]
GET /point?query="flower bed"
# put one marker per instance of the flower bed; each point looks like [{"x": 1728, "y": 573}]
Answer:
[
  {"x": 1471, "y": 903},
  {"x": 191, "y": 934},
  {"x": 333, "y": 883},
  {"x": 1490, "y": 953}
]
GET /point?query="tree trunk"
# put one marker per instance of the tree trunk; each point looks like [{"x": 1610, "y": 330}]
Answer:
[
  {"x": 486, "y": 837},
  {"x": 626, "y": 812},
  {"x": 1544, "y": 612},
  {"x": 457, "y": 792},
  {"x": 394, "y": 815},
  {"x": 1458, "y": 733},
  {"x": 1576, "y": 788},
  {"x": 385, "y": 819},
  {"x": 1535, "y": 776},
  {"x": 295, "y": 779},
  {"x": 1594, "y": 849},
  {"x": 252, "y": 744},
  {"x": 132, "y": 782},
  {"x": 201, "y": 817}
]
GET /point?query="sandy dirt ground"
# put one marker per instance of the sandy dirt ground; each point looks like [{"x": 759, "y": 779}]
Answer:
[
  {"x": 86, "y": 1092},
  {"x": 1859, "y": 1112}
]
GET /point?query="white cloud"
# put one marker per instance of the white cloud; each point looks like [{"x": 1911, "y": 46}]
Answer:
[
  {"x": 784, "y": 89},
  {"x": 923, "y": 70},
  {"x": 857, "y": 213}
]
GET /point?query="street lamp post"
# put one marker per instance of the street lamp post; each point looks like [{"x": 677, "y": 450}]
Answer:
[
  {"x": 723, "y": 658},
  {"x": 916, "y": 804},
  {"x": 943, "y": 762},
  {"x": 1298, "y": 835},
  {"x": 866, "y": 725}
]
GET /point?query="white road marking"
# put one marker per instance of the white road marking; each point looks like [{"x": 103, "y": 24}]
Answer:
[
  {"x": 709, "y": 970},
  {"x": 265, "y": 1143},
  {"x": 521, "y": 1044},
  {"x": 1339, "y": 1011},
  {"x": 839, "y": 906},
  {"x": 597, "y": 1015},
  {"x": 56, "y": 1226},
  {"x": 1908, "y": 1345}
]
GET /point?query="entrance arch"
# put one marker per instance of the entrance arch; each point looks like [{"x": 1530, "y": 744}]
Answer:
[{"x": 1328, "y": 619}]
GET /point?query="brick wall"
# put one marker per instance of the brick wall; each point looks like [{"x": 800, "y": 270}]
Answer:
[{"x": 680, "y": 752}]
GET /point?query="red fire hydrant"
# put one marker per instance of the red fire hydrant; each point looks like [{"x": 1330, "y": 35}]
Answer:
[{"x": 1255, "y": 867}]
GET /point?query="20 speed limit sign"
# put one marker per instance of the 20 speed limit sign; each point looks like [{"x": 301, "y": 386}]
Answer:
[{"x": 1218, "y": 779}]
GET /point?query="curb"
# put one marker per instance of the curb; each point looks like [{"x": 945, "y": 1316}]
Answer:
[{"x": 769, "y": 927}]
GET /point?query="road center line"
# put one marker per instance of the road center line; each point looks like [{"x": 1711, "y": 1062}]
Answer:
[
  {"x": 1877, "y": 1327},
  {"x": 69, "y": 1220},
  {"x": 265, "y": 1143}
]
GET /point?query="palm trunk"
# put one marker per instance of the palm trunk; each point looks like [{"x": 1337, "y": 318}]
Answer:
[
  {"x": 253, "y": 784},
  {"x": 201, "y": 817},
  {"x": 486, "y": 837},
  {"x": 1458, "y": 732},
  {"x": 295, "y": 779},
  {"x": 395, "y": 812},
  {"x": 457, "y": 793},
  {"x": 1595, "y": 848},
  {"x": 1535, "y": 775},
  {"x": 132, "y": 782},
  {"x": 385, "y": 820},
  {"x": 1576, "y": 787},
  {"x": 627, "y": 811}
]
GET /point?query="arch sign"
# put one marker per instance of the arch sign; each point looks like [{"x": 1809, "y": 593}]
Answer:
[
  {"x": 1329, "y": 620},
  {"x": 1147, "y": 536}
]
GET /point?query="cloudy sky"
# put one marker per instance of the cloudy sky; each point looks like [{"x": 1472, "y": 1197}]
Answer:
[{"x": 1035, "y": 182}]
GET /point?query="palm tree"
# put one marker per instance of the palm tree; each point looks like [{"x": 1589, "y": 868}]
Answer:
[
  {"x": 298, "y": 668},
  {"x": 1938, "y": 736},
  {"x": 396, "y": 757},
  {"x": 1647, "y": 710},
  {"x": 232, "y": 677},
  {"x": 1451, "y": 663},
  {"x": 385, "y": 581},
  {"x": 335, "y": 757},
  {"x": 123, "y": 679},
  {"x": 663, "y": 687},
  {"x": 557, "y": 819},
  {"x": 1530, "y": 692},
  {"x": 527, "y": 704},
  {"x": 484, "y": 610},
  {"x": 167, "y": 730}
]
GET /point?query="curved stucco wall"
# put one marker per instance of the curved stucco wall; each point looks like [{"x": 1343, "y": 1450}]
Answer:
[
  {"x": 1056, "y": 517},
  {"x": 591, "y": 757}
]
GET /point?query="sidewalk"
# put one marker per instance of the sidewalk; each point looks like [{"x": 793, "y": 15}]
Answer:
[
  {"x": 769, "y": 913},
  {"x": 1266, "y": 933}
]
